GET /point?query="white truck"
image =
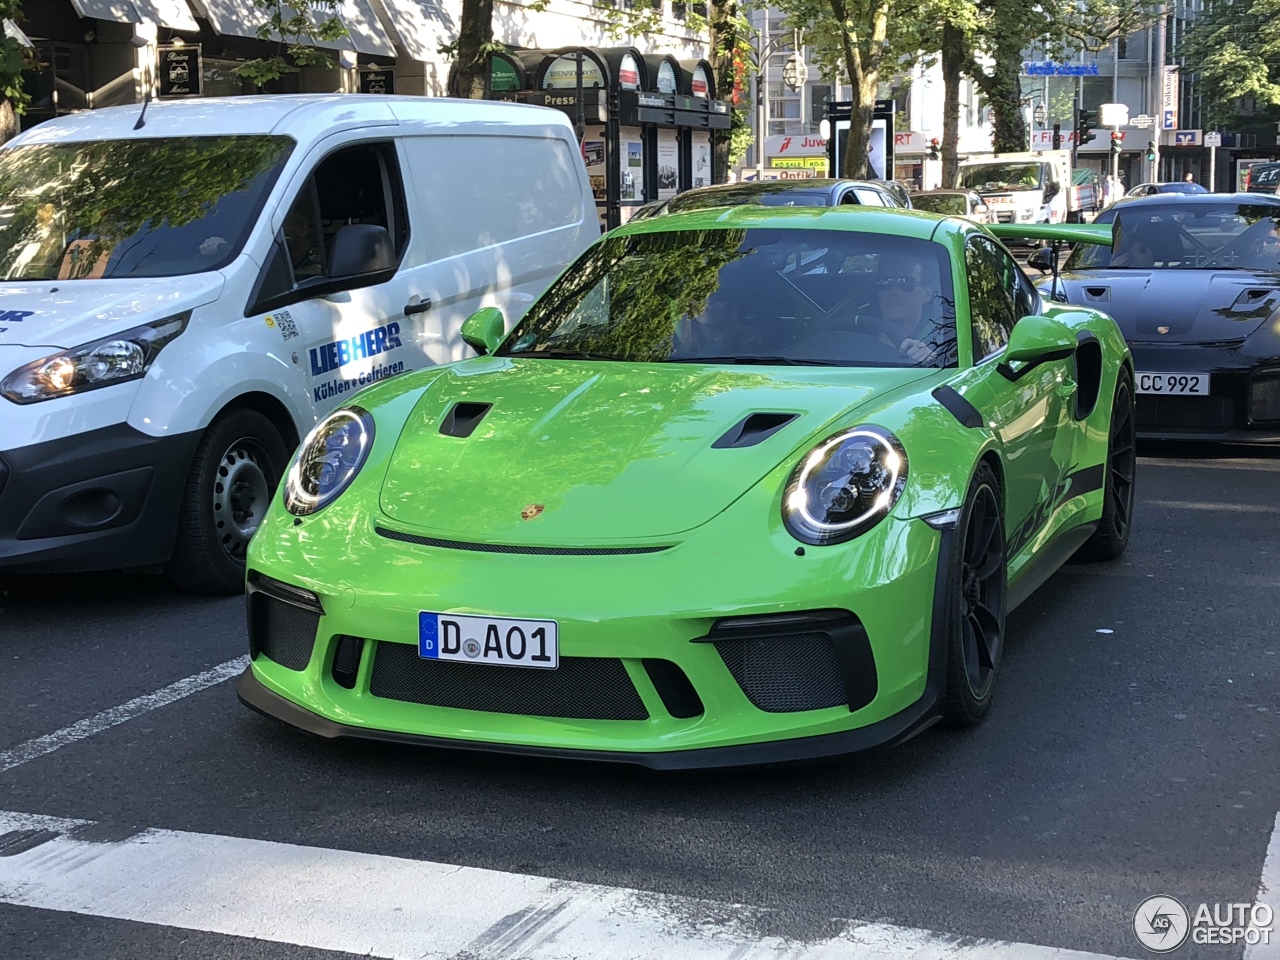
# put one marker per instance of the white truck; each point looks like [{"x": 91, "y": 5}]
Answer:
[{"x": 1035, "y": 187}]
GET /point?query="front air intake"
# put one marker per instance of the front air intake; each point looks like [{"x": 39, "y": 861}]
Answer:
[{"x": 463, "y": 419}]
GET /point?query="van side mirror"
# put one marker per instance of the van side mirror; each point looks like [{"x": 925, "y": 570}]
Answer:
[
  {"x": 484, "y": 330},
  {"x": 1041, "y": 258},
  {"x": 1051, "y": 191},
  {"x": 1036, "y": 339},
  {"x": 362, "y": 250}
]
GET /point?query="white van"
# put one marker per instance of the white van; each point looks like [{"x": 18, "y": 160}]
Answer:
[{"x": 184, "y": 292}]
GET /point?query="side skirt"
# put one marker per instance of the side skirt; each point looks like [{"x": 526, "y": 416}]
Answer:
[{"x": 1056, "y": 553}]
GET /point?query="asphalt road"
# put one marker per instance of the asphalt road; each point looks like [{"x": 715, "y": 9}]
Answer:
[{"x": 1114, "y": 766}]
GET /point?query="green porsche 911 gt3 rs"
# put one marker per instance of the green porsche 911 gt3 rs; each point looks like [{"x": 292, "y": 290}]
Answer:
[{"x": 743, "y": 485}]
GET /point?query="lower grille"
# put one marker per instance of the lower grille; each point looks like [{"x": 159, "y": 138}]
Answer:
[
  {"x": 280, "y": 631},
  {"x": 581, "y": 688},
  {"x": 786, "y": 674},
  {"x": 1264, "y": 399},
  {"x": 1213, "y": 413}
]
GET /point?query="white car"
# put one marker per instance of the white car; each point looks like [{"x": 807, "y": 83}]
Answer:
[{"x": 184, "y": 292}]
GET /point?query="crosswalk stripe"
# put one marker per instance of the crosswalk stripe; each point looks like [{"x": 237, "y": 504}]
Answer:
[{"x": 395, "y": 908}]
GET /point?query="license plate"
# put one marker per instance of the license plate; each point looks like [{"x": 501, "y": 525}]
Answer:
[
  {"x": 502, "y": 641},
  {"x": 1193, "y": 383}
]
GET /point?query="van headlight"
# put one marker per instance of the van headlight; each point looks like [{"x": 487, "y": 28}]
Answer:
[
  {"x": 328, "y": 460},
  {"x": 114, "y": 359},
  {"x": 844, "y": 486}
]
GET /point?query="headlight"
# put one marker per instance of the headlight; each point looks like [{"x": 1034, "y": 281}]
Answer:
[
  {"x": 328, "y": 460},
  {"x": 125, "y": 356},
  {"x": 845, "y": 486}
]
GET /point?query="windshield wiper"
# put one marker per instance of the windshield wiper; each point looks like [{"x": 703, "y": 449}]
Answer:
[
  {"x": 747, "y": 359},
  {"x": 563, "y": 355}
]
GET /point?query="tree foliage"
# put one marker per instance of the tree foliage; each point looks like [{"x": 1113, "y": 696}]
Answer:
[
  {"x": 297, "y": 26},
  {"x": 1234, "y": 47}
]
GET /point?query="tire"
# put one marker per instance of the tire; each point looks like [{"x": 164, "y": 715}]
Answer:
[
  {"x": 1111, "y": 539},
  {"x": 233, "y": 477},
  {"x": 977, "y": 601}
]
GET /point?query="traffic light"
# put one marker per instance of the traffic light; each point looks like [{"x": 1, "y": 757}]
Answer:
[
  {"x": 935, "y": 149},
  {"x": 1085, "y": 122},
  {"x": 1057, "y": 136},
  {"x": 1117, "y": 141},
  {"x": 1151, "y": 149}
]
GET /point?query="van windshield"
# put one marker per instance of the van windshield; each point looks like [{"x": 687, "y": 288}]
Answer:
[
  {"x": 132, "y": 208},
  {"x": 1000, "y": 176}
]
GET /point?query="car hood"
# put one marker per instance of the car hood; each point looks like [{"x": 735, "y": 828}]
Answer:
[
  {"x": 602, "y": 451},
  {"x": 61, "y": 314},
  {"x": 1179, "y": 306}
]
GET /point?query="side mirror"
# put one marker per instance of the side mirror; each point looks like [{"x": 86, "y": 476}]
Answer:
[
  {"x": 484, "y": 330},
  {"x": 1041, "y": 258},
  {"x": 1036, "y": 339},
  {"x": 362, "y": 250},
  {"x": 1051, "y": 191}
]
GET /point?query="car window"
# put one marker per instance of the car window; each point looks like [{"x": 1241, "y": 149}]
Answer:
[
  {"x": 1175, "y": 234},
  {"x": 869, "y": 197},
  {"x": 771, "y": 296},
  {"x": 991, "y": 303}
]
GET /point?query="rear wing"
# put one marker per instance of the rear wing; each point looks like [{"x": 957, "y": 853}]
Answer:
[{"x": 1099, "y": 233}]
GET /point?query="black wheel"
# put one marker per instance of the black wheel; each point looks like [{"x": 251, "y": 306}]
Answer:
[
  {"x": 979, "y": 601},
  {"x": 1111, "y": 538},
  {"x": 233, "y": 477}
]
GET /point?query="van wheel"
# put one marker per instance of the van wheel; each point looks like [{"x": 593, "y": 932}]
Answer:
[{"x": 233, "y": 477}]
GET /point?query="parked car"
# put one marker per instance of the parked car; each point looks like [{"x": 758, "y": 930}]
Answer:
[
  {"x": 954, "y": 203},
  {"x": 1263, "y": 178},
  {"x": 1194, "y": 283},
  {"x": 180, "y": 303},
  {"x": 823, "y": 493},
  {"x": 778, "y": 193},
  {"x": 1173, "y": 186}
]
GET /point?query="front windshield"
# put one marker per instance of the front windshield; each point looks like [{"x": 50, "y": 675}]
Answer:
[
  {"x": 950, "y": 204},
  {"x": 985, "y": 177},
  {"x": 1182, "y": 236},
  {"x": 770, "y": 296},
  {"x": 132, "y": 208}
]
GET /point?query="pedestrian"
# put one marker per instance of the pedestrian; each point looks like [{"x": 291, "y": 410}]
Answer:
[{"x": 1189, "y": 178}]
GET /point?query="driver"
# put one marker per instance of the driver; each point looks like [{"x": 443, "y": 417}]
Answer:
[{"x": 902, "y": 293}]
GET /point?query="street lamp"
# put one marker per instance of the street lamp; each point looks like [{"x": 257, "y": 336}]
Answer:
[
  {"x": 798, "y": 74},
  {"x": 1039, "y": 115}
]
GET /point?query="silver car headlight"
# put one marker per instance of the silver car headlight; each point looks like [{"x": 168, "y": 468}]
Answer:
[
  {"x": 328, "y": 460},
  {"x": 115, "y": 359},
  {"x": 844, "y": 486}
]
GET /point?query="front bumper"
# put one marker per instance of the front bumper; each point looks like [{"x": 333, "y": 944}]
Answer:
[
  {"x": 1227, "y": 415},
  {"x": 98, "y": 500},
  {"x": 648, "y": 674}
]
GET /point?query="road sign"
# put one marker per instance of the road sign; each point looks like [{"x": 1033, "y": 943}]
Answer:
[
  {"x": 1213, "y": 139},
  {"x": 1114, "y": 114},
  {"x": 1142, "y": 121},
  {"x": 1187, "y": 138}
]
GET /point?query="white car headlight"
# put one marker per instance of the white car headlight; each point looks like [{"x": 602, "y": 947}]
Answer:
[
  {"x": 114, "y": 359},
  {"x": 844, "y": 486},
  {"x": 328, "y": 460}
]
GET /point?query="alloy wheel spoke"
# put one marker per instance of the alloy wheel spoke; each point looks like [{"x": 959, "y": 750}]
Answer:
[
  {"x": 988, "y": 628},
  {"x": 981, "y": 642},
  {"x": 989, "y": 566}
]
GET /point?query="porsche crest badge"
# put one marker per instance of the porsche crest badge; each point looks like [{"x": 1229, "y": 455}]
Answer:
[
  {"x": 531, "y": 511},
  {"x": 1162, "y": 329}
]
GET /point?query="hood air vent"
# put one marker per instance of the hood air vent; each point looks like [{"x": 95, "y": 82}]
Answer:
[
  {"x": 463, "y": 419},
  {"x": 754, "y": 429}
]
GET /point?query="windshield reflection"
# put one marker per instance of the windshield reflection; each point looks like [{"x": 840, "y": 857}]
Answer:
[{"x": 1183, "y": 236}]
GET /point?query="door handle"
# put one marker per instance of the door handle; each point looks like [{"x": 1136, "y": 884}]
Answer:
[{"x": 411, "y": 308}]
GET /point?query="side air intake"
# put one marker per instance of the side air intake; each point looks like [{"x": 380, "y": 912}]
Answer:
[
  {"x": 754, "y": 429},
  {"x": 463, "y": 419}
]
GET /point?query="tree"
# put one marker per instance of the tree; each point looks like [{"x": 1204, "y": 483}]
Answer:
[
  {"x": 730, "y": 35},
  {"x": 1233, "y": 46},
  {"x": 15, "y": 59},
  {"x": 298, "y": 26}
]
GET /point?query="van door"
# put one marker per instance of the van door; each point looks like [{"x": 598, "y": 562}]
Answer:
[{"x": 353, "y": 331}]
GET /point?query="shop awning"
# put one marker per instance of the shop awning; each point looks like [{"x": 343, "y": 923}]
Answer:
[
  {"x": 420, "y": 27},
  {"x": 240, "y": 18},
  {"x": 174, "y": 14}
]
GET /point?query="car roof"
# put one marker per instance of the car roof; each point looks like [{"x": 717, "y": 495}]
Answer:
[
  {"x": 894, "y": 221},
  {"x": 310, "y": 115},
  {"x": 1164, "y": 199}
]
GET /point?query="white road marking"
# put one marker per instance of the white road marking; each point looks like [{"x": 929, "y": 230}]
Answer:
[
  {"x": 1269, "y": 893},
  {"x": 393, "y": 908},
  {"x": 1210, "y": 505},
  {"x": 31, "y": 749}
]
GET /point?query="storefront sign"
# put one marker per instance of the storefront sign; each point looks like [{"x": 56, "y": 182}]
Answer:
[
  {"x": 502, "y": 75},
  {"x": 628, "y": 73},
  {"x": 780, "y": 145},
  {"x": 1169, "y": 100},
  {"x": 180, "y": 70},
  {"x": 377, "y": 81},
  {"x": 564, "y": 73},
  {"x": 798, "y": 163},
  {"x": 1048, "y": 68}
]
